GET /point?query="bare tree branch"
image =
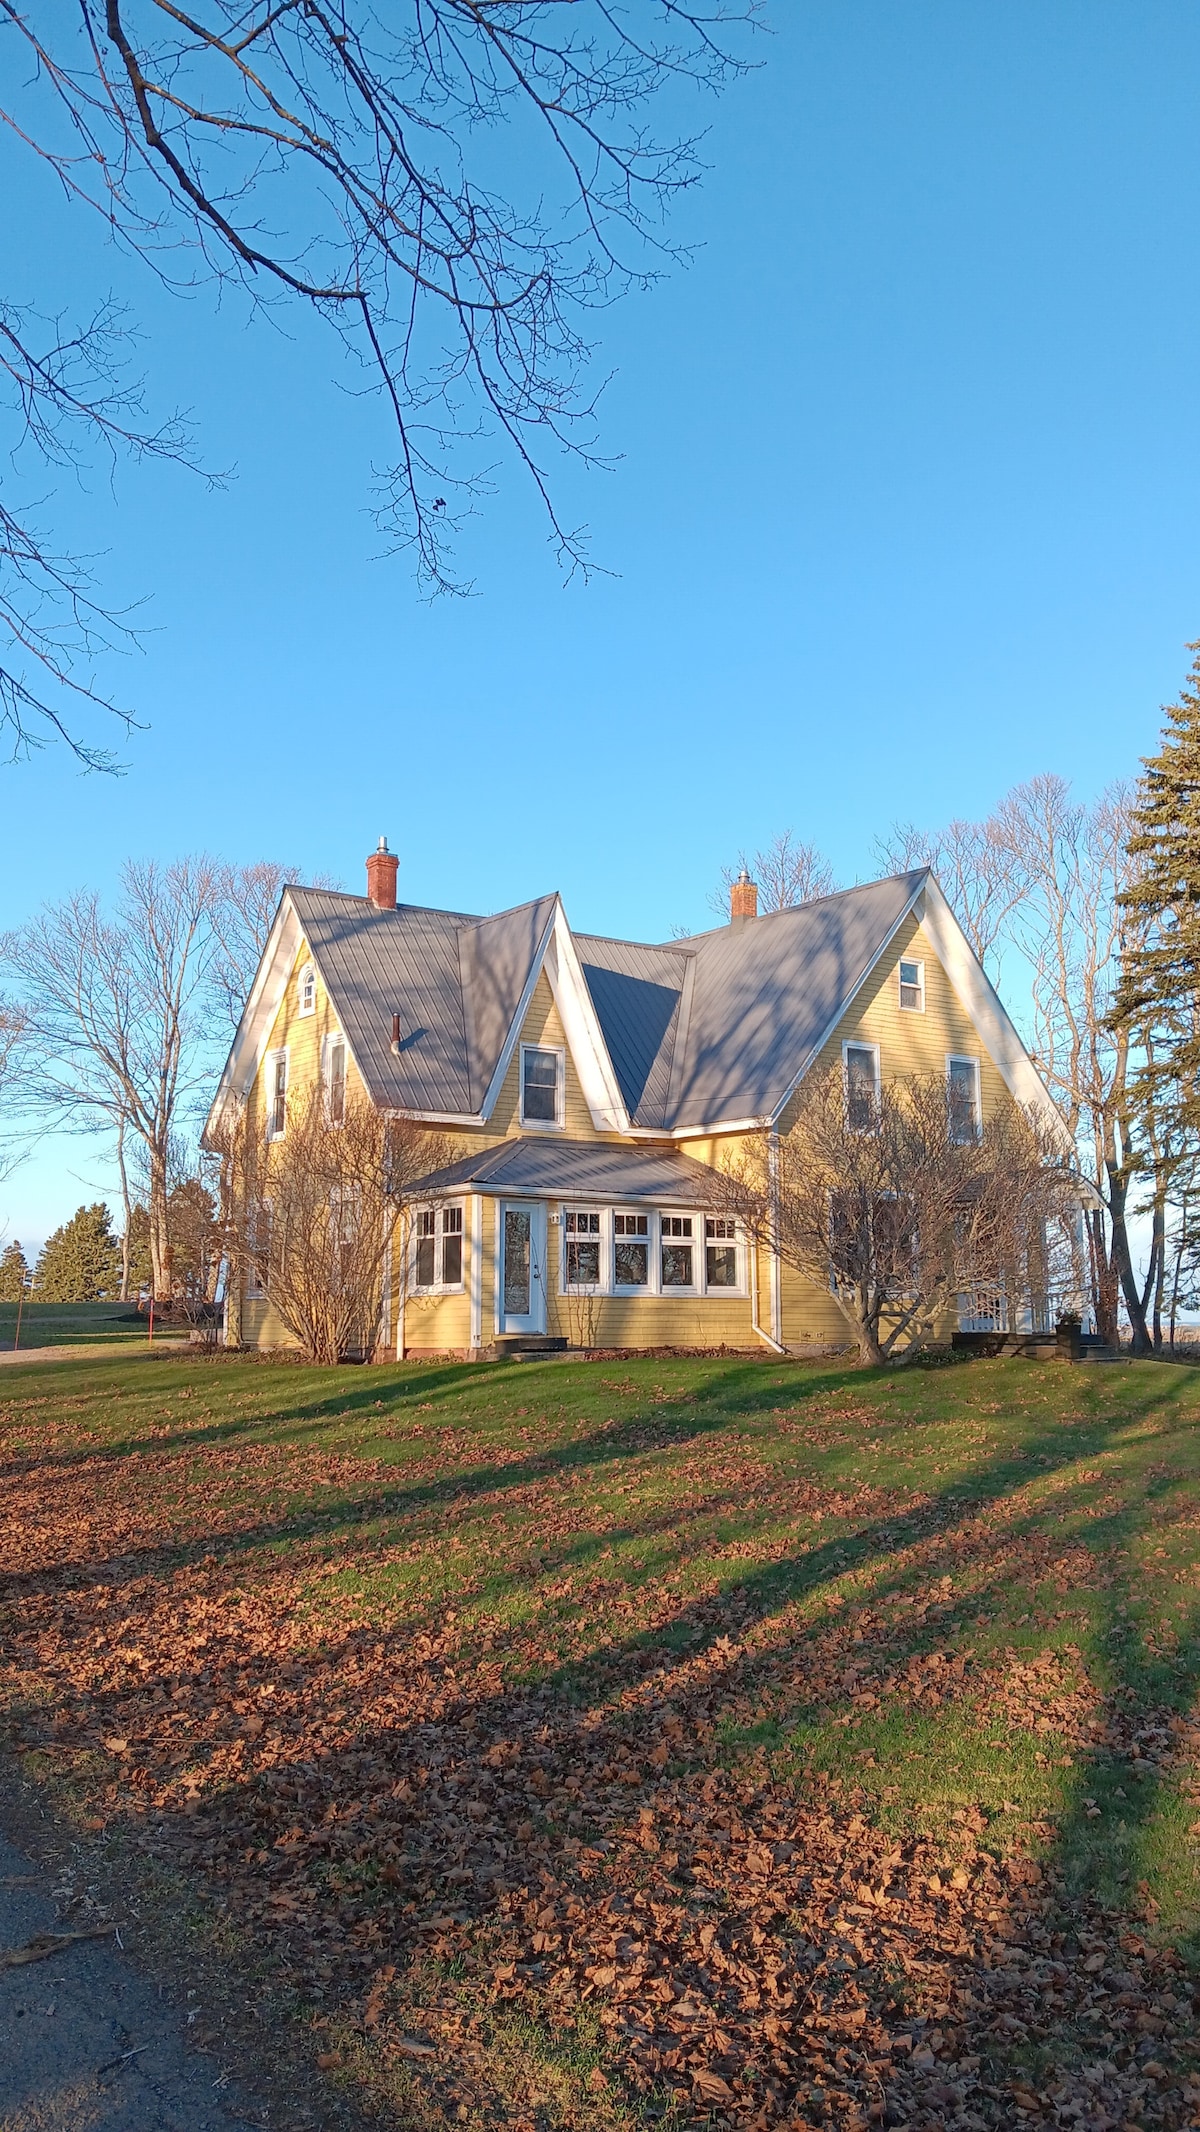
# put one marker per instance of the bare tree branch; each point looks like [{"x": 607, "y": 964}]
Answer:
[{"x": 340, "y": 154}]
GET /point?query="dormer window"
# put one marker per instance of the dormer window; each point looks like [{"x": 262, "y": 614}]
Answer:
[
  {"x": 308, "y": 989},
  {"x": 541, "y": 1085}
]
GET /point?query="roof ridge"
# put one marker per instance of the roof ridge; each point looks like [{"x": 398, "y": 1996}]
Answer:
[{"x": 832, "y": 895}]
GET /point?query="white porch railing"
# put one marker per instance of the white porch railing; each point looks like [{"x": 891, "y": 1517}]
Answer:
[{"x": 1023, "y": 1312}]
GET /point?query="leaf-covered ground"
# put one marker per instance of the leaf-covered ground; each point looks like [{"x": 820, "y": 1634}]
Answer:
[{"x": 712, "y": 1742}]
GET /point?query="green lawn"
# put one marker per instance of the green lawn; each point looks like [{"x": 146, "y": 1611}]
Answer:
[
  {"x": 470, "y": 1699},
  {"x": 70, "y": 1324}
]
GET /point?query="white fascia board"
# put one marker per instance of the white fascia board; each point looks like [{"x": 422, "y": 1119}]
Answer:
[
  {"x": 720, "y": 1125},
  {"x": 518, "y": 1023},
  {"x": 982, "y": 1002},
  {"x": 581, "y": 1026},
  {"x": 249, "y": 1045},
  {"x": 434, "y": 1117}
]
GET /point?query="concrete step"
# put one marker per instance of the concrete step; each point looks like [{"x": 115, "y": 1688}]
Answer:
[{"x": 521, "y": 1344}]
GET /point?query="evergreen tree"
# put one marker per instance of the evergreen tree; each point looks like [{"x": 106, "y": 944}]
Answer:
[
  {"x": 81, "y": 1262},
  {"x": 1159, "y": 993},
  {"x": 14, "y": 1272}
]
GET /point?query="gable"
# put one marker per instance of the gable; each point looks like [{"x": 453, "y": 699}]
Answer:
[
  {"x": 710, "y": 1034},
  {"x": 542, "y": 1024}
]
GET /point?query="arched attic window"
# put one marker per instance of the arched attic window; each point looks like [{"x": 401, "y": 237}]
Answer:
[{"x": 308, "y": 989}]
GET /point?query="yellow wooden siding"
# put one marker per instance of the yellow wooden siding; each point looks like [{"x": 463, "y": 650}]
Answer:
[
  {"x": 302, "y": 1035},
  {"x": 262, "y": 1326},
  {"x": 542, "y": 1025},
  {"x": 912, "y": 1043},
  {"x": 908, "y": 1042}
]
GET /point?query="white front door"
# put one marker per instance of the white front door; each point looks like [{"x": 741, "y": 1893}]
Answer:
[{"x": 521, "y": 1286}]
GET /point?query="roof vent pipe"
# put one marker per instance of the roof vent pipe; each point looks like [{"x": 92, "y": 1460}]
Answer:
[
  {"x": 382, "y": 868},
  {"x": 743, "y": 897}
]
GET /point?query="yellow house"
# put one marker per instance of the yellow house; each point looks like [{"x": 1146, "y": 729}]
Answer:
[{"x": 590, "y": 1083}]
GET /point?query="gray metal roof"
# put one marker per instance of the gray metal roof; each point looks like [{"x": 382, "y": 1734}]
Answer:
[
  {"x": 578, "y": 1169},
  {"x": 455, "y": 981},
  {"x": 766, "y": 992},
  {"x": 637, "y": 992},
  {"x": 716, "y": 1027}
]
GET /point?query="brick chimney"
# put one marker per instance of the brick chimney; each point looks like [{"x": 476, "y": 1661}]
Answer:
[
  {"x": 743, "y": 898},
  {"x": 382, "y": 867}
]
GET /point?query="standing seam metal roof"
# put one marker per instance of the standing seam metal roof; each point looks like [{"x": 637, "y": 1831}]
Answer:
[{"x": 699, "y": 1030}]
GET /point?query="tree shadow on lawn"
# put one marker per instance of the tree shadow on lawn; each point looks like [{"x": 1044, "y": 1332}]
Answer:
[
  {"x": 654, "y": 1426},
  {"x": 620, "y": 1803}
]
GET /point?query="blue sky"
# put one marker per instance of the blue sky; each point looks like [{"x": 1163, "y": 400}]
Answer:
[{"x": 904, "y": 513}]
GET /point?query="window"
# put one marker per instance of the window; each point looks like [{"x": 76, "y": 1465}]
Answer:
[
  {"x": 962, "y": 1077},
  {"x": 335, "y": 1081},
  {"x": 425, "y": 1254},
  {"x": 308, "y": 989},
  {"x": 582, "y": 1233},
  {"x": 631, "y": 1250},
  {"x": 452, "y": 1247},
  {"x": 277, "y": 1079},
  {"x": 541, "y": 1085},
  {"x": 438, "y": 1247},
  {"x": 862, "y": 1086},
  {"x": 912, "y": 987},
  {"x": 720, "y": 1252},
  {"x": 677, "y": 1251}
]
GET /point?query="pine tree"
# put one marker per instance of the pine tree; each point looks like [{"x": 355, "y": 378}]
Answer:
[
  {"x": 14, "y": 1272},
  {"x": 1159, "y": 994},
  {"x": 81, "y": 1262}
]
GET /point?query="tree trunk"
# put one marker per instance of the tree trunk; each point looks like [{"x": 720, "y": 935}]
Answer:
[
  {"x": 160, "y": 1243},
  {"x": 1121, "y": 1258},
  {"x": 125, "y": 1241},
  {"x": 1158, "y": 1259},
  {"x": 1104, "y": 1282},
  {"x": 866, "y": 1326}
]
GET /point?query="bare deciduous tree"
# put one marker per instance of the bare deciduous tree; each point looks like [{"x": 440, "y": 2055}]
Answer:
[
  {"x": 898, "y": 1213},
  {"x": 337, "y": 157},
  {"x": 786, "y": 872},
  {"x": 244, "y": 914},
  {"x": 314, "y": 1213},
  {"x": 977, "y": 867},
  {"x": 1068, "y": 927},
  {"x": 111, "y": 1008},
  {"x": 12, "y": 1039}
]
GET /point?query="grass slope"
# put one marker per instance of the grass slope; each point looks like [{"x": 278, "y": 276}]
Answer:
[
  {"x": 70, "y": 1324},
  {"x": 712, "y": 1741}
]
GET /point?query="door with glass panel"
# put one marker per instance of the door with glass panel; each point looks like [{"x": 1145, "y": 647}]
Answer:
[{"x": 521, "y": 1286}]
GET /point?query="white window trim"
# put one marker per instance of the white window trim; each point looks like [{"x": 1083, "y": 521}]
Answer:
[
  {"x": 739, "y": 1287},
  {"x": 917, "y": 962},
  {"x": 650, "y": 1285},
  {"x": 964, "y": 1058},
  {"x": 273, "y": 1058},
  {"x": 439, "y": 1286},
  {"x": 604, "y": 1241},
  {"x": 696, "y": 1284},
  {"x": 858, "y": 1043},
  {"x": 653, "y": 1286},
  {"x": 309, "y": 971},
  {"x": 543, "y": 1125}
]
